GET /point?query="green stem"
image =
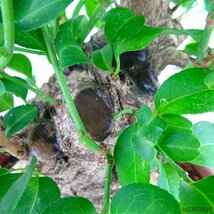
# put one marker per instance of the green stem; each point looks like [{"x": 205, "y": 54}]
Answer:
[
  {"x": 53, "y": 27},
  {"x": 178, "y": 169},
  {"x": 78, "y": 8},
  {"x": 124, "y": 111},
  {"x": 64, "y": 88},
  {"x": 106, "y": 203},
  {"x": 96, "y": 16},
  {"x": 89, "y": 143},
  {"x": 203, "y": 45},
  {"x": 117, "y": 70},
  {"x": 9, "y": 31},
  {"x": 31, "y": 51},
  {"x": 25, "y": 85}
]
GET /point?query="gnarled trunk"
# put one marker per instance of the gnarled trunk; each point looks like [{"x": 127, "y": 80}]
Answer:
[{"x": 77, "y": 170}]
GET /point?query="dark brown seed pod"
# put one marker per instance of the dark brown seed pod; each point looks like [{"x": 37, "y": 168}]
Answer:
[{"x": 96, "y": 109}]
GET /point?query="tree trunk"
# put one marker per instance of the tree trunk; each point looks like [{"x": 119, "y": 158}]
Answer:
[{"x": 76, "y": 170}]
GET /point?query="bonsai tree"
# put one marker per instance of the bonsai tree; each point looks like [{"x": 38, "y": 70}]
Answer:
[{"x": 98, "y": 129}]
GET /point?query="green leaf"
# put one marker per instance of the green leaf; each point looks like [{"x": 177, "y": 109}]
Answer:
[
  {"x": 204, "y": 132},
  {"x": 6, "y": 102},
  {"x": 22, "y": 64},
  {"x": 3, "y": 171},
  {"x": 192, "y": 49},
  {"x": 39, "y": 194},
  {"x": 116, "y": 21},
  {"x": 130, "y": 167},
  {"x": 143, "y": 198},
  {"x": 180, "y": 145},
  {"x": 169, "y": 180},
  {"x": 16, "y": 190},
  {"x": 145, "y": 140},
  {"x": 90, "y": 7},
  {"x": 198, "y": 196},
  {"x": 31, "y": 39},
  {"x": 68, "y": 50},
  {"x": 30, "y": 15},
  {"x": 147, "y": 35},
  {"x": 186, "y": 93},
  {"x": 209, "y": 81},
  {"x": 2, "y": 88},
  {"x": 17, "y": 118},
  {"x": 15, "y": 88},
  {"x": 78, "y": 23},
  {"x": 103, "y": 58},
  {"x": 148, "y": 134},
  {"x": 177, "y": 122},
  {"x": 117, "y": 29},
  {"x": 72, "y": 205},
  {"x": 144, "y": 115}
]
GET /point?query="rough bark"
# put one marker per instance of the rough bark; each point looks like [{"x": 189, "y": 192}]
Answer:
[{"x": 75, "y": 169}]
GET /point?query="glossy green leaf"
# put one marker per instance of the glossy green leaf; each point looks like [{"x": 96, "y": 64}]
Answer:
[
  {"x": 1, "y": 33},
  {"x": 128, "y": 28},
  {"x": 186, "y": 93},
  {"x": 143, "y": 198},
  {"x": 191, "y": 49},
  {"x": 147, "y": 35},
  {"x": 3, "y": 171},
  {"x": 30, "y": 15},
  {"x": 16, "y": 190},
  {"x": 103, "y": 58},
  {"x": 17, "y": 118},
  {"x": 197, "y": 197},
  {"x": 6, "y": 181},
  {"x": 148, "y": 134},
  {"x": 131, "y": 168},
  {"x": 177, "y": 122},
  {"x": 2, "y": 88},
  {"x": 31, "y": 39},
  {"x": 22, "y": 64},
  {"x": 15, "y": 88},
  {"x": 144, "y": 115},
  {"x": 68, "y": 50},
  {"x": 6, "y": 102},
  {"x": 90, "y": 7},
  {"x": 79, "y": 23},
  {"x": 72, "y": 205},
  {"x": 145, "y": 140},
  {"x": 116, "y": 22},
  {"x": 180, "y": 145},
  {"x": 39, "y": 194},
  {"x": 204, "y": 132},
  {"x": 169, "y": 180},
  {"x": 209, "y": 80}
]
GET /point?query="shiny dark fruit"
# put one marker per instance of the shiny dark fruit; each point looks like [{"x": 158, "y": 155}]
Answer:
[
  {"x": 96, "y": 109},
  {"x": 43, "y": 141}
]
